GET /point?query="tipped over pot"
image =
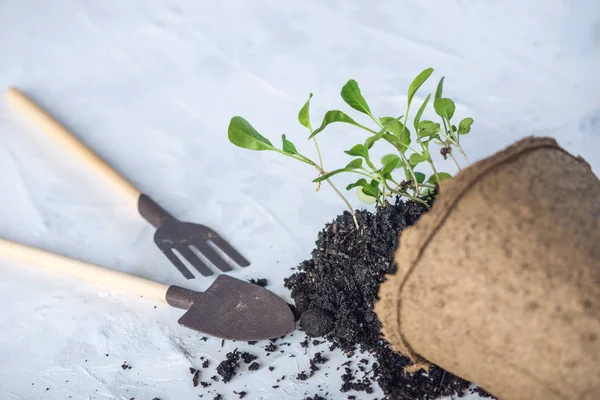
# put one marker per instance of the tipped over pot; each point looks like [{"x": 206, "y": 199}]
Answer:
[{"x": 499, "y": 283}]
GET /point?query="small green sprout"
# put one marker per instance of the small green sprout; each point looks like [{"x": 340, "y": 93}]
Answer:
[{"x": 378, "y": 181}]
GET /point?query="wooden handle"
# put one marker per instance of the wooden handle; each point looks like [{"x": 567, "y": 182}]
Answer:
[
  {"x": 86, "y": 271},
  {"x": 62, "y": 135}
]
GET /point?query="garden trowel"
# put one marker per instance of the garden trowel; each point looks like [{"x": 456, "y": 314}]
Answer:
[{"x": 229, "y": 309}]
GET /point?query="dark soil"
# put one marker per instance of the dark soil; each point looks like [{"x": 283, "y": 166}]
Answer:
[
  {"x": 262, "y": 282},
  {"x": 228, "y": 367},
  {"x": 248, "y": 357},
  {"x": 335, "y": 290},
  {"x": 195, "y": 378}
]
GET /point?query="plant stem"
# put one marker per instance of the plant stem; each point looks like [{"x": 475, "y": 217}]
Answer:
[
  {"x": 404, "y": 160},
  {"x": 437, "y": 177},
  {"x": 407, "y": 147},
  {"x": 318, "y": 152},
  {"x": 320, "y": 158},
  {"x": 308, "y": 161},
  {"x": 463, "y": 153},
  {"x": 404, "y": 194},
  {"x": 411, "y": 197},
  {"x": 455, "y": 162},
  {"x": 345, "y": 201},
  {"x": 412, "y": 173}
]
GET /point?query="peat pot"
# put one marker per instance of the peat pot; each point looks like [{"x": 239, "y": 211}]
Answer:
[{"x": 499, "y": 283}]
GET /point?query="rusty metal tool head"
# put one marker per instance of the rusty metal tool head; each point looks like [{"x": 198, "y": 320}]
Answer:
[
  {"x": 229, "y": 309},
  {"x": 233, "y": 309},
  {"x": 176, "y": 239}
]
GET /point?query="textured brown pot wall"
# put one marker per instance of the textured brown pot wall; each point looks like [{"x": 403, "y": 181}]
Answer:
[{"x": 500, "y": 282}]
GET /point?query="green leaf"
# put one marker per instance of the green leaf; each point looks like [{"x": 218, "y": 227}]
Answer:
[
  {"x": 390, "y": 162},
  {"x": 401, "y": 132},
  {"x": 425, "y": 123},
  {"x": 416, "y": 159},
  {"x": 358, "y": 150},
  {"x": 304, "y": 114},
  {"x": 351, "y": 95},
  {"x": 335, "y": 116},
  {"x": 444, "y": 107},
  {"x": 355, "y": 164},
  {"x": 417, "y": 82},
  {"x": 391, "y": 158},
  {"x": 371, "y": 141},
  {"x": 330, "y": 174},
  {"x": 420, "y": 177},
  {"x": 370, "y": 191},
  {"x": 288, "y": 147},
  {"x": 386, "y": 120},
  {"x": 443, "y": 176},
  {"x": 428, "y": 128},
  {"x": 359, "y": 183},
  {"x": 464, "y": 126},
  {"x": 440, "y": 88},
  {"x": 397, "y": 143},
  {"x": 426, "y": 192},
  {"x": 420, "y": 112},
  {"x": 243, "y": 135},
  {"x": 365, "y": 198}
]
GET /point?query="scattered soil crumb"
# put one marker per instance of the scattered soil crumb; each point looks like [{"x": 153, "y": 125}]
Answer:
[
  {"x": 241, "y": 394},
  {"x": 228, "y": 367},
  {"x": 271, "y": 347},
  {"x": 195, "y": 378},
  {"x": 362, "y": 385},
  {"x": 248, "y": 357},
  {"x": 271, "y": 368},
  {"x": 125, "y": 365},
  {"x": 205, "y": 364},
  {"x": 254, "y": 366},
  {"x": 302, "y": 376},
  {"x": 317, "y": 359},
  {"x": 262, "y": 282}
]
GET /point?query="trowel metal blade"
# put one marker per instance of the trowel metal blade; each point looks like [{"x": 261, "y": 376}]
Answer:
[{"x": 237, "y": 310}]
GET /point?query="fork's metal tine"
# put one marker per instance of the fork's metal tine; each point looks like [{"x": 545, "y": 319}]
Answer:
[
  {"x": 230, "y": 251},
  {"x": 207, "y": 251},
  {"x": 193, "y": 259},
  {"x": 178, "y": 264}
]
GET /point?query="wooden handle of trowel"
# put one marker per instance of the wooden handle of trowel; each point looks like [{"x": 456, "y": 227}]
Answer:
[
  {"x": 83, "y": 270},
  {"x": 61, "y": 134}
]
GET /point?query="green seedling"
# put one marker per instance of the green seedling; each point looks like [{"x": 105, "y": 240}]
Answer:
[{"x": 377, "y": 181}]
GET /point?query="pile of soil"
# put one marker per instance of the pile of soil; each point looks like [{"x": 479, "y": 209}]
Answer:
[{"x": 334, "y": 293}]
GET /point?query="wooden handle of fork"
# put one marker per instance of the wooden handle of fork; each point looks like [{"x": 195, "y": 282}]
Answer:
[{"x": 63, "y": 136}]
